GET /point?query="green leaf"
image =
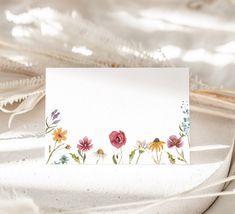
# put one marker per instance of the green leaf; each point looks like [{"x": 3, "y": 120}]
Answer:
[
  {"x": 131, "y": 156},
  {"x": 181, "y": 128},
  {"x": 114, "y": 159},
  {"x": 180, "y": 159},
  {"x": 171, "y": 158},
  {"x": 75, "y": 158}
]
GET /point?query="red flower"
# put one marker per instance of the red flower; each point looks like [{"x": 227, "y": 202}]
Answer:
[
  {"x": 85, "y": 144},
  {"x": 117, "y": 139},
  {"x": 174, "y": 141}
]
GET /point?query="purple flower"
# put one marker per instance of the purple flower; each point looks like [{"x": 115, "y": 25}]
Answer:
[
  {"x": 174, "y": 141},
  {"x": 54, "y": 112},
  {"x": 56, "y": 122},
  {"x": 56, "y": 116}
]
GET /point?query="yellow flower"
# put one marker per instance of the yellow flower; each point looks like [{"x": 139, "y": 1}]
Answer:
[
  {"x": 59, "y": 135},
  {"x": 156, "y": 145}
]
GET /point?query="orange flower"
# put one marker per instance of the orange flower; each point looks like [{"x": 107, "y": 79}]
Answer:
[
  {"x": 59, "y": 135},
  {"x": 156, "y": 145}
]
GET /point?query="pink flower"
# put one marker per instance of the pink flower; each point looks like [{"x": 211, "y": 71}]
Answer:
[
  {"x": 117, "y": 139},
  {"x": 175, "y": 141},
  {"x": 85, "y": 144}
]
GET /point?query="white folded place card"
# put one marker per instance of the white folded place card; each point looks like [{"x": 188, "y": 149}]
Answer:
[{"x": 117, "y": 116}]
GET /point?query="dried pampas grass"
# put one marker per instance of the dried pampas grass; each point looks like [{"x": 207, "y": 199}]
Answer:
[{"x": 218, "y": 102}]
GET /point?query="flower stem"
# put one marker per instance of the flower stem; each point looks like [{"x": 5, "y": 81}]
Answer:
[
  {"x": 137, "y": 160},
  {"x": 98, "y": 161},
  {"x": 181, "y": 156},
  {"x": 49, "y": 129},
  {"x": 155, "y": 161},
  {"x": 52, "y": 152},
  {"x": 120, "y": 155},
  {"x": 158, "y": 158},
  {"x": 50, "y": 155}
]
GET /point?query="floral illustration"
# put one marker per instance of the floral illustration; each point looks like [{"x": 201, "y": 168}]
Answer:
[
  {"x": 171, "y": 158},
  {"x": 83, "y": 146},
  {"x": 117, "y": 139},
  {"x": 157, "y": 147},
  {"x": 167, "y": 150},
  {"x": 100, "y": 155},
  {"x": 52, "y": 121},
  {"x": 59, "y": 135},
  {"x": 177, "y": 142},
  {"x": 75, "y": 158},
  {"x": 63, "y": 160},
  {"x": 141, "y": 147},
  {"x": 185, "y": 124}
]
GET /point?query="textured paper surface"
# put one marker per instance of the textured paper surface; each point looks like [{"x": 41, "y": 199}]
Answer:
[{"x": 117, "y": 116}]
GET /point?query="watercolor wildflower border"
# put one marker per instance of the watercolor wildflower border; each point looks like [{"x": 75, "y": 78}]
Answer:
[{"x": 172, "y": 148}]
